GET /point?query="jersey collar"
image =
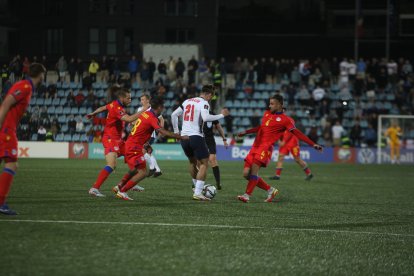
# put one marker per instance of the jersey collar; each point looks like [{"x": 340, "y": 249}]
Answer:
[
  {"x": 152, "y": 111},
  {"x": 31, "y": 82},
  {"x": 119, "y": 102},
  {"x": 279, "y": 113}
]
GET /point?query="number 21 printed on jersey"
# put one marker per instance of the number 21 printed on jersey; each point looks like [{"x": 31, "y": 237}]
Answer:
[{"x": 189, "y": 113}]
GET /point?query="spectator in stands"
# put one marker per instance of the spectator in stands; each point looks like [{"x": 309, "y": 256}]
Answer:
[
  {"x": 313, "y": 134},
  {"x": 192, "y": 67},
  {"x": 133, "y": 68},
  {"x": 93, "y": 70},
  {"x": 144, "y": 74},
  {"x": 162, "y": 71},
  {"x": 115, "y": 69},
  {"x": 70, "y": 99},
  {"x": 337, "y": 132},
  {"x": 392, "y": 71},
  {"x": 90, "y": 98},
  {"x": 26, "y": 65},
  {"x": 80, "y": 67},
  {"x": 304, "y": 71},
  {"x": 105, "y": 69},
  {"x": 251, "y": 77},
  {"x": 316, "y": 78},
  {"x": 361, "y": 68},
  {"x": 90, "y": 135},
  {"x": 223, "y": 71},
  {"x": 41, "y": 133},
  {"x": 98, "y": 136},
  {"x": 71, "y": 124},
  {"x": 295, "y": 76},
  {"x": 303, "y": 96},
  {"x": 79, "y": 99},
  {"x": 260, "y": 69},
  {"x": 79, "y": 124},
  {"x": 382, "y": 79},
  {"x": 237, "y": 70},
  {"x": 318, "y": 94},
  {"x": 344, "y": 94},
  {"x": 62, "y": 67},
  {"x": 203, "y": 69},
  {"x": 49, "y": 136},
  {"x": 352, "y": 71},
  {"x": 179, "y": 68},
  {"x": 355, "y": 134},
  {"x": 407, "y": 69},
  {"x": 370, "y": 137},
  {"x": 72, "y": 68}
]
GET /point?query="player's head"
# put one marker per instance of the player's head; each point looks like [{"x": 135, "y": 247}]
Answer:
[
  {"x": 37, "y": 72},
  {"x": 157, "y": 105},
  {"x": 276, "y": 103},
  {"x": 113, "y": 92},
  {"x": 207, "y": 92},
  {"x": 124, "y": 96},
  {"x": 145, "y": 99}
]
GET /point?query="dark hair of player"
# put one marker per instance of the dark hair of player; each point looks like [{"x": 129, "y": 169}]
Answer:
[
  {"x": 35, "y": 69},
  {"x": 208, "y": 89},
  {"x": 122, "y": 93},
  {"x": 156, "y": 103},
  {"x": 146, "y": 96},
  {"x": 113, "y": 93},
  {"x": 278, "y": 98}
]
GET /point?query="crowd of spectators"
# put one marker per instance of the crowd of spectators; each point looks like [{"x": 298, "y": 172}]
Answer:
[{"x": 325, "y": 89}]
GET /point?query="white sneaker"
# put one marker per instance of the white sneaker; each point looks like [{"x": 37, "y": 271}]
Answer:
[
  {"x": 200, "y": 197},
  {"x": 115, "y": 189},
  {"x": 138, "y": 188},
  {"x": 123, "y": 196},
  {"x": 95, "y": 192}
]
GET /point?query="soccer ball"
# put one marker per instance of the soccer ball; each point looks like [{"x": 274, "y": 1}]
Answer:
[{"x": 209, "y": 191}]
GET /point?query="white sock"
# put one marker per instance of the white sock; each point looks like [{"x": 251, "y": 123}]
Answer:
[
  {"x": 148, "y": 159},
  {"x": 199, "y": 187},
  {"x": 154, "y": 163},
  {"x": 194, "y": 181}
]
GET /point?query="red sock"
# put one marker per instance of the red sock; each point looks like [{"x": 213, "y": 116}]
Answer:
[
  {"x": 128, "y": 186},
  {"x": 103, "y": 175},
  {"x": 124, "y": 179},
  {"x": 6, "y": 179},
  {"x": 278, "y": 171},
  {"x": 307, "y": 171},
  {"x": 252, "y": 183},
  {"x": 262, "y": 184}
]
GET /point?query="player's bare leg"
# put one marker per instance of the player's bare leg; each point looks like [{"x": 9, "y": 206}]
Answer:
[
  {"x": 397, "y": 153},
  {"x": 104, "y": 173},
  {"x": 193, "y": 170},
  {"x": 6, "y": 179},
  {"x": 212, "y": 159},
  {"x": 279, "y": 167},
  {"x": 305, "y": 168}
]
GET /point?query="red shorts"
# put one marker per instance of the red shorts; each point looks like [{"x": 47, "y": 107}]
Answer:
[
  {"x": 113, "y": 145},
  {"x": 135, "y": 160},
  {"x": 8, "y": 147},
  {"x": 295, "y": 150},
  {"x": 259, "y": 156}
]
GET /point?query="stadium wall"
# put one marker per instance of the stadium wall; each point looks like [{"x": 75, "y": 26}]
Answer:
[{"x": 233, "y": 153}]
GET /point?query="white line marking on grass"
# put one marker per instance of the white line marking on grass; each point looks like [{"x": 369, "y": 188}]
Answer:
[{"x": 287, "y": 229}]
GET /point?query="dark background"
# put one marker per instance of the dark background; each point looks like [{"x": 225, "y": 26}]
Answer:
[{"x": 249, "y": 28}]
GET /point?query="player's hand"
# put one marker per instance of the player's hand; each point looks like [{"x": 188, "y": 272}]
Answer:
[
  {"x": 226, "y": 145},
  {"x": 281, "y": 144},
  {"x": 225, "y": 112},
  {"x": 318, "y": 147},
  {"x": 90, "y": 116},
  {"x": 184, "y": 137}
]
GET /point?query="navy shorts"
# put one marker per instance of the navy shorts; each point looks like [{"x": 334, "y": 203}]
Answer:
[
  {"x": 195, "y": 147},
  {"x": 211, "y": 145}
]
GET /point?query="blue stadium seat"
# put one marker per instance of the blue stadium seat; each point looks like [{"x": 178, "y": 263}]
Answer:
[
  {"x": 135, "y": 85},
  {"x": 59, "y": 137},
  {"x": 34, "y": 137},
  {"x": 236, "y": 103},
  {"x": 40, "y": 101},
  {"x": 61, "y": 93},
  {"x": 48, "y": 101},
  {"x": 84, "y": 138},
  {"x": 170, "y": 95},
  {"x": 59, "y": 110},
  {"x": 240, "y": 95},
  {"x": 76, "y": 137},
  {"x": 261, "y": 104},
  {"x": 64, "y": 128},
  {"x": 228, "y": 104},
  {"x": 96, "y": 85},
  {"x": 65, "y": 85},
  {"x": 67, "y": 138},
  {"x": 245, "y": 104},
  {"x": 51, "y": 110},
  {"x": 73, "y": 85},
  {"x": 257, "y": 96},
  {"x": 63, "y": 101},
  {"x": 82, "y": 110},
  {"x": 265, "y": 95},
  {"x": 104, "y": 85},
  {"x": 56, "y": 101},
  {"x": 100, "y": 93},
  {"x": 66, "y": 110}
]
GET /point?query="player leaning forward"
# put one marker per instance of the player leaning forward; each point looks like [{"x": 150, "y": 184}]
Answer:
[
  {"x": 273, "y": 125},
  {"x": 195, "y": 112},
  {"x": 11, "y": 111}
]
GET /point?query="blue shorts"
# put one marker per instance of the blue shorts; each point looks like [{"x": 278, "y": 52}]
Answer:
[{"x": 195, "y": 146}]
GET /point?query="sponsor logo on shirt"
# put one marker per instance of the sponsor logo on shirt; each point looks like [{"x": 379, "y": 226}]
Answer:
[{"x": 278, "y": 119}]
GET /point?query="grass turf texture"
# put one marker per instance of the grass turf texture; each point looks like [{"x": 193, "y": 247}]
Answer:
[{"x": 326, "y": 226}]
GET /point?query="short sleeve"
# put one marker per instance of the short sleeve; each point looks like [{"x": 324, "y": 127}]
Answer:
[
  {"x": 119, "y": 113},
  {"x": 21, "y": 92}
]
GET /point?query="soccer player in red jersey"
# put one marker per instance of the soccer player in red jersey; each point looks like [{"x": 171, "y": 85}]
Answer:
[
  {"x": 11, "y": 110},
  {"x": 112, "y": 136},
  {"x": 274, "y": 123},
  {"x": 290, "y": 144},
  {"x": 134, "y": 146}
]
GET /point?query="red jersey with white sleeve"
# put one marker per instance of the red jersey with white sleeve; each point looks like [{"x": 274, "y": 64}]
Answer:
[
  {"x": 22, "y": 93},
  {"x": 141, "y": 132},
  {"x": 114, "y": 125}
]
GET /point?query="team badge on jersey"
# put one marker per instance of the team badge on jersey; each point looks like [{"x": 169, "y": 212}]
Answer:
[
  {"x": 17, "y": 92},
  {"x": 278, "y": 119},
  {"x": 206, "y": 107}
]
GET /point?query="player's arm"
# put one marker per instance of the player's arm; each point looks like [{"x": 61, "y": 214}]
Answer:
[
  {"x": 8, "y": 102},
  {"x": 162, "y": 120},
  {"x": 132, "y": 118},
  {"x": 249, "y": 131},
  {"x": 174, "y": 118},
  {"x": 207, "y": 117},
  {"x": 167, "y": 133},
  {"x": 221, "y": 132},
  {"x": 305, "y": 139},
  {"x": 97, "y": 111}
]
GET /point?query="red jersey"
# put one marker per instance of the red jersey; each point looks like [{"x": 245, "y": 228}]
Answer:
[
  {"x": 290, "y": 140},
  {"x": 114, "y": 125},
  {"x": 22, "y": 93},
  {"x": 272, "y": 128},
  {"x": 141, "y": 132}
]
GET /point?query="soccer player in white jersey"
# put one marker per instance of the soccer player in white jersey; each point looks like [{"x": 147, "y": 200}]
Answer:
[
  {"x": 195, "y": 112},
  {"x": 154, "y": 169}
]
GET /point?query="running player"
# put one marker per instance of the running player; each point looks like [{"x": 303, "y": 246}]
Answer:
[
  {"x": 394, "y": 133},
  {"x": 274, "y": 123},
  {"x": 211, "y": 145},
  {"x": 112, "y": 136},
  {"x": 195, "y": 111},
  {"x": 134, "y": 157},
  {"x": 290, "y": 144},
  {"x": 11, "y": 111}
]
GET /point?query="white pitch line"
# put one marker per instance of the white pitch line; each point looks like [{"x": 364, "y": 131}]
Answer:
[{"x": 287, "y": 229}]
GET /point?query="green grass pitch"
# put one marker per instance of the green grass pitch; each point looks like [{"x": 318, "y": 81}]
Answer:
[{"x": 349, "y": 220}]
